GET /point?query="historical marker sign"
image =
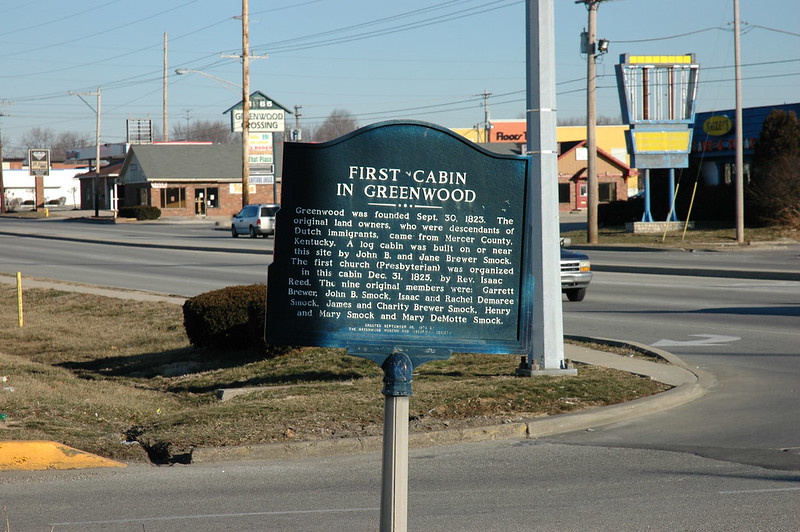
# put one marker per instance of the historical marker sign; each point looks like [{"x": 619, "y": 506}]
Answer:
[{"x": 401, "y": 236}]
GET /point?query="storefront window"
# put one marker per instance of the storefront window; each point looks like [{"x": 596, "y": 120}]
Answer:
[
  {"x": 212, "y": 197},
  {"x": 607, "y": 192},
  {"x": 563, "y": 193},
  {"x": 173, "y": 198}
]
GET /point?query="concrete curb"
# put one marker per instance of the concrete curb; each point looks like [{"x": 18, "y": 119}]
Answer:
[{"x": 690, "y": 384}]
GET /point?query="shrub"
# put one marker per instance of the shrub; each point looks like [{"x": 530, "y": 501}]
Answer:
[
  {"x": 231, "y": 317},
  {"x": 618, "y": 213},
  {"x": 140, "y": 212}
]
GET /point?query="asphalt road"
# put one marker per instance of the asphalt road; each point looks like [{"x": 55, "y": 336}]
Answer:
[
  {"x": 743, "y": 332},
  {"x": 183, "y": 259},
  {"x": 728, "y": 461},
  {"x": 507, "y": 485}
]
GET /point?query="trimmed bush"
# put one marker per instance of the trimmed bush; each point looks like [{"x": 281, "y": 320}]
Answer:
[
  {"x": 620, "y": 212},
  {"x": 231, "y": 317},
  {"x": 140, "y": 212}
]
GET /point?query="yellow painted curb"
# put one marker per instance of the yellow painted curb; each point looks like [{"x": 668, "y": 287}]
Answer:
[{"x": 41, "y": 455}]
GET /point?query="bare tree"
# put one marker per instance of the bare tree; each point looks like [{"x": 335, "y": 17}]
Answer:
[
  {"x": 338, "y": 123},
  {"x": 218, "y": 132},
  {"x": 68, "y": 141},
  {"x": 38, "y": 137},
  {"x": 59, "y": 144},
  {"x": 581, "y": 121}
]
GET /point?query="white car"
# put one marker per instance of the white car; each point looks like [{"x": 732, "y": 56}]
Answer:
[{"x": 255, "y": 220}]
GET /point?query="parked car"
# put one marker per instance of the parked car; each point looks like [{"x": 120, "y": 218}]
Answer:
[
  {"x": 576, "y": 272},
  {"x": 255, "y": 220}
]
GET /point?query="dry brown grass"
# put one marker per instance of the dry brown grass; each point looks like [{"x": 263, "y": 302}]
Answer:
[
  {"x": 100, "y": 373},
  {"x": 705, "y": 235}
]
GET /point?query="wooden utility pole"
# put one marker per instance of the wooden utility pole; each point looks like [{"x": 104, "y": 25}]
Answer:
[
  {"x": 165, "y": 132},
  {"x": 99, "y": 94},
  {"x": 591, "y": 119},
  {"x": 245, "y": 59},
  {"x": 2, "y": 187},
  {"x": 738, "y": 128},
  {"x": 487, "y": 124},
  {"x": 245, "y": 103}
]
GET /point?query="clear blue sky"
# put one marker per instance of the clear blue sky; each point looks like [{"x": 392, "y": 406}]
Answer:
[{"x": 417, "y": 59}]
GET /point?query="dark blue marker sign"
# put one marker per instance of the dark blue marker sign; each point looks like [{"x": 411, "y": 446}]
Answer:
[{"x": 401, "y": 236}]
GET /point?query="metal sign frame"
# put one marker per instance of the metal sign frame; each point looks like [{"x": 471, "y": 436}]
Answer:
[{"x": 657, "y": 96}]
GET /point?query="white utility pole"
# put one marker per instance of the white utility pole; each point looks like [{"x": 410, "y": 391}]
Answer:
[{"x": 548, "y": 333}]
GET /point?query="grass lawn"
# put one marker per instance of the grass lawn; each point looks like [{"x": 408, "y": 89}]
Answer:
[{"x": 117, "y": 377}]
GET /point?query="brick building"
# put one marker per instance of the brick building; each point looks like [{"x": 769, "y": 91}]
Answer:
[
  {"x": 189, "y": 179},
  {"x": 613, "y": 176}
]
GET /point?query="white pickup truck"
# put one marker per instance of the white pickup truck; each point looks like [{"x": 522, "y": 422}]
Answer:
[{"x": 576, "y": 272}]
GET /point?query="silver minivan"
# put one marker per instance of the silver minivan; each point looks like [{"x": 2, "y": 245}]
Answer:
[{"x": 255, "y": 220}]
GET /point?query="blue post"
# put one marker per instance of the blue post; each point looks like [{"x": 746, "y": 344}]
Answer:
[
  {"x": 647, "y": 216},
  {"x": 397, "y": 375},
  {"x": 672, "y": 217}
]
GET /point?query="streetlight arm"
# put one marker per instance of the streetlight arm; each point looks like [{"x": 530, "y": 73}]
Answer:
[{"x": 183, "y": 71}]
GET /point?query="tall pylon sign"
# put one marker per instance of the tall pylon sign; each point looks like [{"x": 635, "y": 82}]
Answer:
[{"x": 657, "y": 96}]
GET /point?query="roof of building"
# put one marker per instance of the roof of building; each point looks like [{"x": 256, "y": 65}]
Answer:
[
  {"x": 109, "y": 170},
  {"x": 566, "y": 148},
  {"x": 186, "y": 162}
]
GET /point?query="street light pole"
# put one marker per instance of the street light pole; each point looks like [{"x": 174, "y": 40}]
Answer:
[
  {"x": 97, "y": 142},
  {"x": 231, "y": 85}
]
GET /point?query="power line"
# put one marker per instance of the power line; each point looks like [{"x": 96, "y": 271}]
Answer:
[{"x": 276, "y": 47}]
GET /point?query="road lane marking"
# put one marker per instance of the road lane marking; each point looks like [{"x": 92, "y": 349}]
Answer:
[
  {"x": 213, "y": 516},
  {"x": 706, "y": 340},
  {"x": 734, "y": 492}
]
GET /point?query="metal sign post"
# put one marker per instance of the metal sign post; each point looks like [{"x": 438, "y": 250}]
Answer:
[
  {"x": 38, "y": 167},
  {"x": 394, "y": 494}
]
